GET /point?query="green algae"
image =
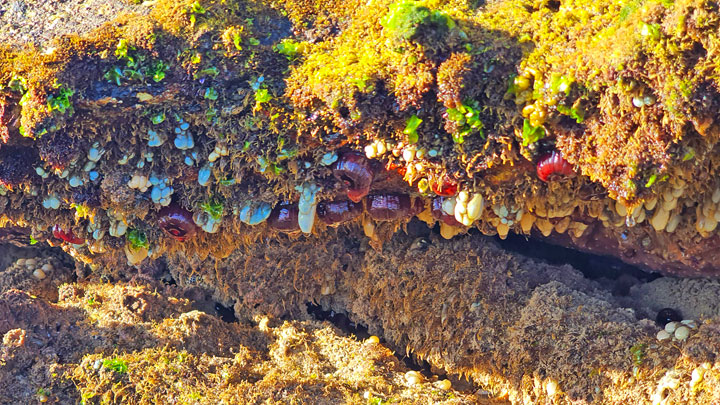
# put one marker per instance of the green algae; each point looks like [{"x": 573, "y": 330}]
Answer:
[{"x": 137, "y": 239}]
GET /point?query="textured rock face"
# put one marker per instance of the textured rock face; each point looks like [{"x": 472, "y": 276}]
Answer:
[{"x": 150, "y": 341}]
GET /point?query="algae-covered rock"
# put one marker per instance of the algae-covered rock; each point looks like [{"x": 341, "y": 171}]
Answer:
[
  {"x": 130, "y": 344},
  {"x": 198, "y": 132},
  {"x": 525, "y": 331},
  {"x": 218, "y": 108}
]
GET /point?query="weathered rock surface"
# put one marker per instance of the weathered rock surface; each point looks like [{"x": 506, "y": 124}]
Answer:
[{"x": 201, "y": 133}]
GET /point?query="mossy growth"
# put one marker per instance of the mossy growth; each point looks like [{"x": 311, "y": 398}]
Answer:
[
  {"x": 464, "y": 121},
  {"x": 410, "y": 20},
  {"x": 577, "y": 58},
  {"x": 134, "y": 66},
  {"x": 411, "y": 126},
  {"x": 115, "y": 364},
  {"x": 531, "y": 134},
  {"x": 214, "y": 208},
  {"x": 137, "y": 239},
  {"x": 60, "y": 100}
]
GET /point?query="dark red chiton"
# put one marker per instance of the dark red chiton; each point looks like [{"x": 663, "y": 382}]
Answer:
[
  {"x": 389, "y": 207},
  {"x": 440, "y": 215},
  {"x": 552, "y": 165},
  {"x": 337, "y": 212},
  {"x": 177, "y": 222},
  {"x": 284, "y": 217},
  {"x": 354, "y": 170},
  {"x": 67, "y": 236}
]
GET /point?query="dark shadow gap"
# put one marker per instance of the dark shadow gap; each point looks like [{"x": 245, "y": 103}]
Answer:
[
  {"x": 592, "y": 266},
  {"x": 227, "y": 314},
  {"x": 339, "y": 320}
]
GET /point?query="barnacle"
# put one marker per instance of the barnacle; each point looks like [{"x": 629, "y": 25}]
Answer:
[
  {"x": 254, "y": 213},
  {"x": 210, "y": 215},
  {"x": 440, "y": 214},
  {"x": 51, "y": 202},
  {"x": 467, "y": 209},
  {"x": 307, "y": 205}
]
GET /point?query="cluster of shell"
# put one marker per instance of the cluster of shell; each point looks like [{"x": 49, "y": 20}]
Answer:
[
  {"x": 38, "y": 267},
  {"x": 677, "y": 330},
  {"x": 39, "y": 276}
]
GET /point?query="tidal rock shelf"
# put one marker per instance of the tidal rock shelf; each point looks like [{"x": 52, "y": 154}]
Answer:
[{"x": 274, "y": 154}]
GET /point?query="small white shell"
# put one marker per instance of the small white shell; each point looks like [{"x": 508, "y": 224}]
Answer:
[
  {"x": 689, "y": 323},
  {"x": 663, "y": 335},
  {"x": 413, "y": 377},
  {"x": 682, "y": 333},
  {"x": 443, "y": 384}
]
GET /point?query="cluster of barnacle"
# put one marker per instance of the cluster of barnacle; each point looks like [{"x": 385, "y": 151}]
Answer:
[
  {"x": 542, "y": 101},
  {"x": 455, "y": 209},
  {"x": 671, "y": 207},
  {"x": 662, "y": 211},
  {"x": 352, "y": 169},
  {"x": 707, "y": 213},
  {"x": 38, "y": 267}
]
